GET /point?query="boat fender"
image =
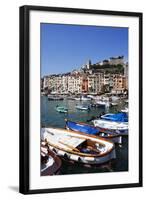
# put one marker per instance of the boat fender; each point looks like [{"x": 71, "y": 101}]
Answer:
[
  {"x": 91, "y": 159},
  {"x": 60, "y": 153},
  {"x": 51, "y": 148},
  {"x": 74, "y": 157},
  {"x": 120, "y": 140},
  {"x": 43, "y": 143}
]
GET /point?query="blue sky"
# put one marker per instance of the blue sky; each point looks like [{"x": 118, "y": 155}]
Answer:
[{"x": 68, "y": 47}]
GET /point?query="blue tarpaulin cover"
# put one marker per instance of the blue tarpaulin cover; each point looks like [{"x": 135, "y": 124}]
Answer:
[
  {"x": 84, "y": 128},
  {"x": 119, "y": 117}
]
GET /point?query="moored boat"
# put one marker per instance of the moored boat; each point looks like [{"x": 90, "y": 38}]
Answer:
[
  {"x": 61, "y": 109},
  {"x": 82, "y": 107},
  {"x": 114, "y": 103},
  {"x": 70, "y": 98},
  {"x": 92, "y": 130},
  {"x": 92, "y": 97},
  {"x": 83, "y": 98},
  {"x": 77, "y": 98},
  {"x": 118, "y": 117},
  {"x": 114, "y": 98},
  {"x": 50, "y": 162},
  {"x": 118, "y": 127},
  {"x": 93, "y": 105},
  {"x": 103, "y": 103},
  {"x": 55, "y": 98},
  {"x": 79, "y": 147}
]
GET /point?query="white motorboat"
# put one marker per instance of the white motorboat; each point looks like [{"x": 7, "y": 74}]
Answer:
[
  {"x": 115, "y": 117},
  {"x": 85, "y": 98},
  {"x": 55, "y": 98},
  {"x": 103, "y": 103},
  {"x": 77, "y": 98},
  {"x": 81, "y": 107},
  {"x": 114, "y": 98},
  {"x": 92, "y": 97},
  {"x": 119, "y": 127},
  {"x": 79, "y": 147},
  {"x": 82, "y": 98}
]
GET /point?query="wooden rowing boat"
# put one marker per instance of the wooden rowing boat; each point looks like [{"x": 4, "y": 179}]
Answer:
[
  {"x": 92, "y": 130},
  {"x": 78, "y": 146},
  {"x": 50, "y": 162}
]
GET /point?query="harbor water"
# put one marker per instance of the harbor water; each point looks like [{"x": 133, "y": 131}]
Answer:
[{"x": 51, "y": 118}]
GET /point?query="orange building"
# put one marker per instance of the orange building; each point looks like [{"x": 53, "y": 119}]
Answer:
[{"x": 84, "y": 85}]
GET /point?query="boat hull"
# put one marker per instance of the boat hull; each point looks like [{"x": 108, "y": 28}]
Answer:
[
  {"x": 119, "y": 128},
  {"x": 62, "y": 111},
  {"x": 85, "y": 160},
  {"x": 53, "y": 165},
  {"x": 118, "y": 117},
  {"x": 125, "y": 110},
  {"x": 103, "y": 105},
  {"x": 115, "y": 139},
  {"x": 82, "y": 108},
  {"x": 51, "y": 98},
  {"x": 106, "y": 149},
  {"x": 89, "y": 129}
]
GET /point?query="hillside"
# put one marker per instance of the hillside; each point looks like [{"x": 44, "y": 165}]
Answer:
[{"x": 108, "y": 68}]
